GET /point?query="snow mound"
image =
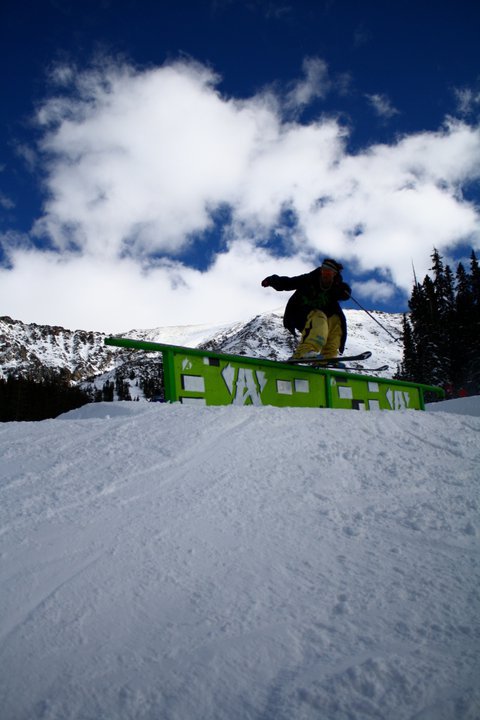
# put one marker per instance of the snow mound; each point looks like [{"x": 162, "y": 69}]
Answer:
[
  {"x": 460, "y": 406},
  {"x": 184, "y": 563},
  {"x": 105, "y": 410}
]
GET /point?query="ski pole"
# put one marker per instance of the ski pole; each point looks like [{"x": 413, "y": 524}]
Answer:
[{"x": 397, "y": 339}]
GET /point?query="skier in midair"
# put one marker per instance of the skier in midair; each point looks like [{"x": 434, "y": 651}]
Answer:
[{"x": 314, "y": 309}]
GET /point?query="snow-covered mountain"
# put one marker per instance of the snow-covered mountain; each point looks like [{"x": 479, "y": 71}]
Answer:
[
  {"x": 81, "y": 356},
  {"x": 36, "y": 350}
]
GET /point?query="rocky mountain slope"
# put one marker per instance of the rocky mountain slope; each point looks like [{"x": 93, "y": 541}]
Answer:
[
  {"x": 30, "y": 350},
  {"x": 80, "y": 356}
]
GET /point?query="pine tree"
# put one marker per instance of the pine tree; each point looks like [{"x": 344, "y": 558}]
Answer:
[
  {"x": 108, "y": 391},
  {"x": 474, "y": 327},
  {"x": 408, "y": 366},
  {"x": 462, "y": 348},
  {"x": 443, "y": 322},
  {"x": 475, "y": 280},
  {"x": 122, "y": 388},
  {"x": 424, "y": 322},
  {"x": 442, "y": 332}
]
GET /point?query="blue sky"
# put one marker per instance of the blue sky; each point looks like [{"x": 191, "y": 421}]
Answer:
[{"x": 158, "y": 159}]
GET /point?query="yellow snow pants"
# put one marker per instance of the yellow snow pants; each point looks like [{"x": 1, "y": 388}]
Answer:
[{"x": 321, "y": 334}]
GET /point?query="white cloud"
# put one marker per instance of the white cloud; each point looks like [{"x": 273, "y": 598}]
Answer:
[
  {"x": 315, "y": 84},
  {"x": 85, "y": 292},
  {"x": 382, "y": 105},
  {"x": 28, "y": 155},
  {"x": 5, "y": 202},
  {"x": 374, "y": 290},
  {"x": 137, "y": 161},
  {"x": 468, "y": 100}
]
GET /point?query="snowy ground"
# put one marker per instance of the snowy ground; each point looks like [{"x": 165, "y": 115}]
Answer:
[{"x": 179, "y": 563}]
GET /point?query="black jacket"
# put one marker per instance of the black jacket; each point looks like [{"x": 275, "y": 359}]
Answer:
[{"x": 309, "y": 296}]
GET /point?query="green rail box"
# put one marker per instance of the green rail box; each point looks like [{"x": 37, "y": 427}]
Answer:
[{"x": 193, "y": 376}]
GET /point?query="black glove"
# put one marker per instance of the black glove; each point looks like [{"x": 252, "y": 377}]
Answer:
[
  {"x": 269, "y": 281},
  {"x": 345, "y": 291}
]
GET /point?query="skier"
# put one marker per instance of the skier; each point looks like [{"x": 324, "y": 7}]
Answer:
[{"x": 314, "y": 309}]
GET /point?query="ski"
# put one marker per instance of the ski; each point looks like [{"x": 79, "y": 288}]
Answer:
[
  {"x": 321, "y": 362},
  {"x": 359, "y": 368}
]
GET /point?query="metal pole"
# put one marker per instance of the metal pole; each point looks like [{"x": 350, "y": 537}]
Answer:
[{"x": 397, "y": 339}]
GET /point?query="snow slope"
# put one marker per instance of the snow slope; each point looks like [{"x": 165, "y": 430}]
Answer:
[{"x": 179, "y": 563}]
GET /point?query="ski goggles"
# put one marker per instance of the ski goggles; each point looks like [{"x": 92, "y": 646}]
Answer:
[{"x": 328, "y": 271}]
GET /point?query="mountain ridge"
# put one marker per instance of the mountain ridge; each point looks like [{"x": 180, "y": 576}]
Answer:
[{"x": 81, "y": 357}]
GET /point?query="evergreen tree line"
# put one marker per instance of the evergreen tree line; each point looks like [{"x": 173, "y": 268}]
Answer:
[
  {"x": 32, "y": 399},
  {"x": 441, "y": 334},
  {"x": 147, "y": 377}
]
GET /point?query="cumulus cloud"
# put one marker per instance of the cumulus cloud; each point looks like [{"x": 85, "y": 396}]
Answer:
[
  {"x": 374, "y": 290},
  {"x": 115, "y": 295},
  {"x": 138, "y": 162}
]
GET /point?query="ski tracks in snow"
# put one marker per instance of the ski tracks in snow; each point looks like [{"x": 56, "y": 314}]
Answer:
[{"x": 260, "y": 563}]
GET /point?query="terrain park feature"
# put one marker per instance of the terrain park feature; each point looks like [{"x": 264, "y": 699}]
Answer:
[{"x": 194, "y": 376}]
